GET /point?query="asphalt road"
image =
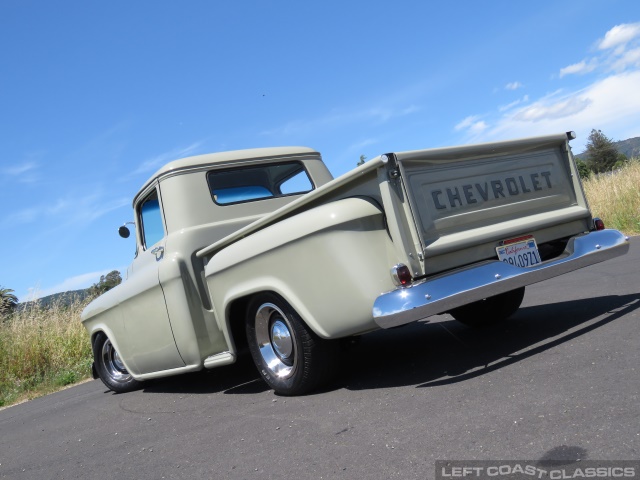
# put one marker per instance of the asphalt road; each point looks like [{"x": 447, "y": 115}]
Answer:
[{"x": 560, "y": 380}]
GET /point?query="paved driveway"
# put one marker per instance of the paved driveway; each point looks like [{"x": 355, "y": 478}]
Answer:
[{"x": 560, "y": 380}]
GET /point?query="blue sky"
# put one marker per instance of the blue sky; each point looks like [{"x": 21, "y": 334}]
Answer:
[{"x": 95, "y": 96}]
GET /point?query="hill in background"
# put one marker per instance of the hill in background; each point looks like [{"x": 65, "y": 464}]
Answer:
[
  {"x": 630, "y": 147},
  {"x": 62, "y": 298}
]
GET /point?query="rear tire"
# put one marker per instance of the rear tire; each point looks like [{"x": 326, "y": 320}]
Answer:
[
  {"x": 110, "y": 367},
  {"x": 489, "y": 310},
  {"x": 290, "y": 357}
]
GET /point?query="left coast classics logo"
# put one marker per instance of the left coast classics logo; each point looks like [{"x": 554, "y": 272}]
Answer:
[{"x": 530, "y": 470}]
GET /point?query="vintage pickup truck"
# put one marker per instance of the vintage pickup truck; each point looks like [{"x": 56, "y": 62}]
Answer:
[{"x": 263, "y": 248}]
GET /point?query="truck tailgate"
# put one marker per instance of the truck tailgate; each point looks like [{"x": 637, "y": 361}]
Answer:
[{"x": 465, "y": 200}]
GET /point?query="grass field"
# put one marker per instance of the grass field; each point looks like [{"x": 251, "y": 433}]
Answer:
[
  {"x": 43, "y": 349},
  {"x": 615, "y": 198}
]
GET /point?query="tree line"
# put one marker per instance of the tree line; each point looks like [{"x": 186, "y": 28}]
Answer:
[{"x": 601, "y": 155}]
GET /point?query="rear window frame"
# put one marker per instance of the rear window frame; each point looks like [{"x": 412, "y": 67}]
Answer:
[{"x": 211, "y": 173}]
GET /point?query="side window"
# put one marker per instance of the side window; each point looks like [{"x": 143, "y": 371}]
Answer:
[{"x": 151, "y": 220}]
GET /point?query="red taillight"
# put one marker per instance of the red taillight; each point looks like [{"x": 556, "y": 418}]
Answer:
[
  {"x": 598, "y": 224},
  {"x": 401, "y": 275}
]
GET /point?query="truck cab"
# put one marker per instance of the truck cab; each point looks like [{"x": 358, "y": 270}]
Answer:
[{"x": 160, "y": 320}]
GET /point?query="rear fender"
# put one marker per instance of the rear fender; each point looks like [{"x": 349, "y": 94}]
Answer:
[{"x": 329, "y": 263}]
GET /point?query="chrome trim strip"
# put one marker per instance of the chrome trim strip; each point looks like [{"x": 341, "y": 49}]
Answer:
[{"x": 441, "y": 293}]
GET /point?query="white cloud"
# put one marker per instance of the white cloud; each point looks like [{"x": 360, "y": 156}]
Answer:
[
  {"x": 544, "y": 110},
  {"x": 158, "y": 161},
  {"x": 478, "y": 127},
  {"x": 513, "y": 104},
  {"x": 90, "y": 208},
  {"x": 70, "y": 210},
  {"x": 611, "y": 105},
  {"x": 57, "y": 207},
  {"x": 26, "y": 171},
  {"x": 379, "y": 114},
  {"x": 627, "y": 60},
  {"x": 384, "y": 114},
  {"x": 467, "y": 122},
  {"x": 472, "y": 124},
  {"x": 409, "y": 110},
  {"x": 26, "y": 215},
  {"x": 619, "y": 35},
  {"x": 513, "y": 86},
  {"x": 579, "y": 68},
  {"x": 620, "y": 51},
  {"x": 362, "y": 144},
  {"x": 339, "y": 118},
  {"x": 19, "y": 169}
]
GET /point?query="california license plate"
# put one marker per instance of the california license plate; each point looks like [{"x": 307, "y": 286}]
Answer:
[{"x": 519, "y": 252}]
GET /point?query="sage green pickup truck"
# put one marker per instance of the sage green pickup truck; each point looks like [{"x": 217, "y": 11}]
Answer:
[{"x": 264, "y": 249}]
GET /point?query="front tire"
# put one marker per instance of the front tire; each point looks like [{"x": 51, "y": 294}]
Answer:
[
  {"x": 489, "y": 310},
  {"x": 110, "y": 367},
  {"x": 290, "y": 357}
]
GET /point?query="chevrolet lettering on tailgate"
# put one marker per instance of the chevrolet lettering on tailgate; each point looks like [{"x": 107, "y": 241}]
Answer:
[{"x": 468, "y": 194}]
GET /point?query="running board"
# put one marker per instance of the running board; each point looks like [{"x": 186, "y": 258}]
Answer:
[{"x": 219, "y": 359}]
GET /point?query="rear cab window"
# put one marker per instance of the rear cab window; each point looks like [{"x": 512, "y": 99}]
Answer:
[{"x": 245, "y": 184}]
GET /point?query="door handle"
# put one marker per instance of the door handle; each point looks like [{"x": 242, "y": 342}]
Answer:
[{"x": 158, "y": 252}]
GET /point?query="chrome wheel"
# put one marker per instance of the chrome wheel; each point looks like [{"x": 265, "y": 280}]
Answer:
[
  {"x": 110, "y": 367},
  {"x": 275, "y": 340},
  {"x": 290, "y": 357},
  {"x": 113, "y": 363}
]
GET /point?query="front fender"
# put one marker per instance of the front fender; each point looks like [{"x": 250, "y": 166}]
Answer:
[{"x": 104, "y": 315}]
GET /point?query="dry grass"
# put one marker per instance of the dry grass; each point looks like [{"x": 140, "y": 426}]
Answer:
[
  {"x": 41, "y": 350},
  {"x": 615, "y": 198}
]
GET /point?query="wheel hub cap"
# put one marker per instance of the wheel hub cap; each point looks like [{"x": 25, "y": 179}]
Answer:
[
  {"x": 117, "y": 361},
  {"x": 113, "y": 363},
  {"x": 281, "y": 339}
]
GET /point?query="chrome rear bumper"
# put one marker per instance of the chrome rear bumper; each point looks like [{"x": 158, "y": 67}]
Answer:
[{"x": 442, "y": 293}]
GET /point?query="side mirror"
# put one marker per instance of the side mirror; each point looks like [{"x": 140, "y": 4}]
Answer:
[{"x": 124, "y": 232}]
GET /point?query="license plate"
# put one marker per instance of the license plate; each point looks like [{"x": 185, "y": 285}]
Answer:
[{"x": 519, "y": 252}]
